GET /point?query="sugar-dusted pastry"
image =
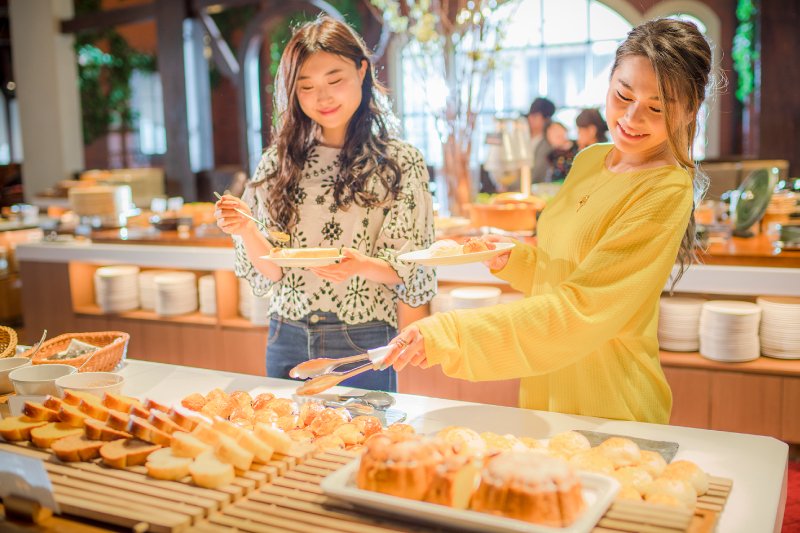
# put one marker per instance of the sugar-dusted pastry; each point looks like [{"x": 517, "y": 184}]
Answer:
[
  {"x": 300, "y": 435},
  {"x": 261, "y": 400},
  {"x": 454, "y": 481},
  {"x": 246, "y": 412},
  {"x": 349, "y": 433},
  {"x": 283, "y": 406},
  {"x": 627, "y": 492},
  {"x": 215, "y": 394},
  {"x": 329, "y": 442},
  {"x": 677, "y": 488},
  {"x": 653, "y": 462},
  {"x": 288, "y": 422},
  {"x": 476, "y": 244},
  {"x": 568, "y": 443},
  {"x": 445, "y": 248},
  {"x": 621, "y": 451},
  {"x": 688, "y": 471},
  {"x": 216, "y": 407},
  {"x": 592, "y": 461},
  {"x": 399, "y": 427},
  {"x": 530, "y": 486},
  {"x": 368, "y": 424},
  {"x": 265, "y": 416},
  {"x": 328, "y": 420},
  {"x": 633, "y": 476},
  {"x": 241, "y": 398},
  {"x": 531, "y": 443},
  {"x": 495, "y": 442},
  {"x": 309, "y": 411},
  {"x": 464, "y": 440}
]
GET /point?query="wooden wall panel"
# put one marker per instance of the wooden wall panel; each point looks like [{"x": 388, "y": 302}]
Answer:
[
  {"x": 200, "y": 346},
  {"x": 433, "y": 382},
  {"x": 790, "y": 416},
  {"x": 691, "y": 398},
  {"x": 746, "y": 403},
  {"x": 161, "y": 342},
  {"x": 243, "y": 350}
]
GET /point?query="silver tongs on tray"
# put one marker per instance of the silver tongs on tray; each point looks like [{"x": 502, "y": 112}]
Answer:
[{"x": 323, "y": 375}]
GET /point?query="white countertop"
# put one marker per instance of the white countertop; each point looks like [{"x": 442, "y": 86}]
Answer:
[
  {"x": 757, "y": 465},
  {"x": 708, "y": 279}
]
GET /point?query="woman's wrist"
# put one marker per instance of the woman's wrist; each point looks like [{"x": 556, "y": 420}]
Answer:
[{"x": 379, "y": 271}]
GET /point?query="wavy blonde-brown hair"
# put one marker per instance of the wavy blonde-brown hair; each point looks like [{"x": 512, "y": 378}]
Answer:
[{"x": 682, "y": 60}]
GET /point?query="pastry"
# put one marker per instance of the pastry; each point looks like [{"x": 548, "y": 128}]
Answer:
[
  {"x": 687, "y": 471},
  {"x": 621, "y": 451},
  {"x": 305, "y": 253},
  {"x": 328, "y": 420},
  {"x": 592, "y": 461},
  {"x": 476, "y": 244},
  {"x": 261, "y": 400},
  {"x": 568, "y": 443},
  {"x": 463, "y": 440},
  {"x": 399, "y": 427},
  {"x": 194, "y": 401},
  {"x": 454, "y": 481},
  {"x": 368, "y": 425},
  {"x": 495, "y": 442},
  {"x": 265, "y": 416},
  {"x": 445, "y": 248},
  {"x": 626, "y": 492},
  {"x": 308, "y": 411},
  {"x": 653, "y": 462},
  {"x": 633, "y": 476},
  {"x": 349, "y": 433},
  {"x": 329, "y": 442},
  {"x": 677, "y": 488}
]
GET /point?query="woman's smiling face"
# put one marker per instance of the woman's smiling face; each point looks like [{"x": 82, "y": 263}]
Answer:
[{"x": 634, "y": 110}]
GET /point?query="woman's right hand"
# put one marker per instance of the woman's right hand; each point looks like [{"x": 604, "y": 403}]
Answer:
[
  {"x": 499, "y": 261},
  {"x": 228, "y": 220}
]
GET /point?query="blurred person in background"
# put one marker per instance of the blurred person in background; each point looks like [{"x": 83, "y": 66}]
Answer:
[
  {"x": 539, "y": 117},
  {"x": 591, "y": 128},
  {"x": 563, "y": 151}
]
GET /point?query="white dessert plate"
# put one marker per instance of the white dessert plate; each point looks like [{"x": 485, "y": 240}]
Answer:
[
  {"x": 598, "y": 493},
  {"x": 302, "y": 262},
  {"x": 424, "y": 257}
]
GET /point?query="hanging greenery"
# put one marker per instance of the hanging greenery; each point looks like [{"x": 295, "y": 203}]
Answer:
[
  {"x": 744, "y": 52},
  {"x": 104, "y": 76}
]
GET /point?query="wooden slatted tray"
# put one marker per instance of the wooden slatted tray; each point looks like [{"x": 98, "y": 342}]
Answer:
[{"x": 285, "y": 496}]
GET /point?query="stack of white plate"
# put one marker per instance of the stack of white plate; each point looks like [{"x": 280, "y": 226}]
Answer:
[
  {"x": 207, "y": 294},
  {"x": 116, "y": 288},
  {"x": 679, "y": 324},
  {"x": 245, "y": 298},
  {"x": 780, "y": 326},
  {"x": 176, "y": 293},
  {"x": 729, "y": 331},
  {"x": 147, "y": 288},
  {"x": 472, "y": 297},
  {"x": 259, "y": 310}
]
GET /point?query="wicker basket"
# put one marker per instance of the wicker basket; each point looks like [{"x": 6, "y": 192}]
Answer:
[
  {"x": 113, "y": 346},
  {"x": 8, "y": 342}
]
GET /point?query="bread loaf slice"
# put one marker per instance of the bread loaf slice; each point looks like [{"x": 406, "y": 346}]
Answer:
[
  {"x": 163, "y": 464},
  {"x": 186, "y": 422},
  {"x": 209, "y": 472},
  {"x": 152, "y": 404},
  {"x": 126, "y": 452},
  {"x": 187, "y": 445},
  {"x": 162, "y": 421},
  {"x": 94, "y": 410},
  {"x": 71, "y": 415},
  {"x": 275, "y": 438},
  {"x": 262, "y": 452},
  {"x": 44, "y": 436},
  {"x": 52, "y": 402},
  {"x": 97, "y": 430},
  {"x": 37, "y": 411},
  {"x": 118, "y": 420},
  {"x": 206, "y": 433},
  {"x": 14, "y": 428},
  {"x": 141, "y": 428},
  {"x": 77, "y": 448},
  {"x": 229, "y": 451},
  {"x": 119, "y": 402}
]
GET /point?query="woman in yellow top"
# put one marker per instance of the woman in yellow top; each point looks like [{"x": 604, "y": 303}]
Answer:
[{"x": 584, "y": 338}]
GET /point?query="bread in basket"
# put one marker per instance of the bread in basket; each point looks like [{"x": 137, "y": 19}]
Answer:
[
  {"x": 8, "y": 342},
  {"x": 113, "y": 346}
]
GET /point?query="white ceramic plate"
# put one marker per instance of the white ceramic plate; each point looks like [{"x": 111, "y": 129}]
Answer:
[
  {"x": 301, "y": 262},
  {"x": 424, "y": 257},
  {"x": 598, "y": 493}
]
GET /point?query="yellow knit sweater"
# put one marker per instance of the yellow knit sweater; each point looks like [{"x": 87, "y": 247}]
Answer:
[{"x": 584, "y": 338}]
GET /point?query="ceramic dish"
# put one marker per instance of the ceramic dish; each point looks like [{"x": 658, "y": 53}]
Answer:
[
  {"x": 8, "y": 365},
  {"x": 39, "y": 379},
  {"x": 96, "y": 383}
]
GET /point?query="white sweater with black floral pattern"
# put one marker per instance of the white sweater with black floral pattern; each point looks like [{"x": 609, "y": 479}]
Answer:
[{"x": 382, "y": 232}]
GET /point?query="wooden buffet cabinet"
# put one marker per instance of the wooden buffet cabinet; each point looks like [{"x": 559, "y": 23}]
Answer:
[{"x": 759, "y": 397}]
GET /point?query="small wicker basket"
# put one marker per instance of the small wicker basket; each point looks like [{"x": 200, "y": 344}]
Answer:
[
  {"x": 113, "y": 347},
  {"x": 8, "y": 342}
]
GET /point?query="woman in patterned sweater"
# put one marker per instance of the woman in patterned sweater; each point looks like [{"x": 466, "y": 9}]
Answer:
[{"x": 334, "y": 177}]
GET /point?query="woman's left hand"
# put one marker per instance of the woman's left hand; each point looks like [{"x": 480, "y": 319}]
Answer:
[
  {"x": 352, "y": 263},
  {"x": 407, "y": 348}
]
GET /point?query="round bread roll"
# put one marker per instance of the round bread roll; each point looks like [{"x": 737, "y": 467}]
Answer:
[
  {"x": 688, "y": 471},
  {"x": 464, "y": 440},
  {"x": 633, "y": 476},
  {"x": 592, "y": 461},
  {"x": 399, "y": 427},
  {"x": 653, "y": 462},
  {"x": 368, "y": 424},
  {"x": 621, "y": 451},
  {"x": 677, "y": 488},
  {"x": 626, "y": 492},
  {"x": 531, "y": 443},
  {"x": 568, "y": 443},
  {"x": 445, "y": 248},
  {"x": 495, "y": 442}
]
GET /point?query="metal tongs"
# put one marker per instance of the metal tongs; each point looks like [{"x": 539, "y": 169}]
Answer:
[{"x": 323, "y": 375}]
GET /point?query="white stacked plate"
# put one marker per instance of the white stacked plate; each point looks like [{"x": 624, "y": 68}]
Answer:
[
  {"x": 472, "y": 297},
  {"x": 176, "y": 293},
  {"x": 259, "y": 310},
  {"x": 147, "y": 288},
  {"x": 780, "y": 326},
  {"x": 679, "y": 324},
  {"x": 207, "y": 294},
  {"x": 245, "y": 298},
  {"x": 729, "y": 331},
  {"x": 116, "y": 288}
]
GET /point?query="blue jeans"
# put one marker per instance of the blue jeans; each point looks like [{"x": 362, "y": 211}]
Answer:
[{"x": 321, "y": 334}]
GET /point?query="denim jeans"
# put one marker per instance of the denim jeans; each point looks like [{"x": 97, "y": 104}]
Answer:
[{"x": 321, "y": 334}]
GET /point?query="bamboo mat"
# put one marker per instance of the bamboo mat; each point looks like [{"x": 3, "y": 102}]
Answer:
[{"x": 285, "y": 496}]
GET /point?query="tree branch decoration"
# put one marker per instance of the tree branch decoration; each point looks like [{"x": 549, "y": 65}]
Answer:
[{"x": 745, "y": 52}]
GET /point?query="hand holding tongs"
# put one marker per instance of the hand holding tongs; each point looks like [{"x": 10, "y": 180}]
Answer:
[
  {"x": 279, "y": 236},
  {"x": 323, "y": 375}
]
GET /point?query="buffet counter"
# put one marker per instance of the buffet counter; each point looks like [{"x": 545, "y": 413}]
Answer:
[{"x": 757, "y": 465}]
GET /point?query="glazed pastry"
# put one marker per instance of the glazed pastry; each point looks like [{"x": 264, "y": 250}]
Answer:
[
  {"x": 349, "y": 433},
  {"x": 300, "y": 435},
  {"x": 368, "y": 425},
  {"x": 329, "y": 442},
  {"x": 454, "y": 481},
  {"x": 283, "y": 406},
  {"x": 309, "y": 411},
  {"x": 261, "y": 400},
  {"x": 265, "y": 416},
  {"x": 328, "y": 420},
  {"x": 288, "y": 422},
  {"x": 399, "y": 427}
]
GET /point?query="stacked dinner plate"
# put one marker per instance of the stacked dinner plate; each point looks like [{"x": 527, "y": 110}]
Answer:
[
  {"x": 472, "y": 297},
  {"x": 780, "y": 326},
  {"x": 729, "y": 331},
  {"x": 207, "y": 294},
  {"x": 147, "y": 288},
  {"x": 176, "y": 293},
  {"x": 679, "y": 324},
  {"x": 116, "y": 288},
  {"x": 259, "y": 310}
]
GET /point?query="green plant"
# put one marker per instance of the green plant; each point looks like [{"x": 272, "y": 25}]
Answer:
[{"x": 745, "y": 53}]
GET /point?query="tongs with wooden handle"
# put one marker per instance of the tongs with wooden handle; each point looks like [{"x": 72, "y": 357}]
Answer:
[
  {"x": 279, "y": 236},
  {"x": 323, "y": 375}
]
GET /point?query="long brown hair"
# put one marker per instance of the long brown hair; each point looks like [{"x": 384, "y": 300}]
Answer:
[
  {"x": 365, "y": 150},
  {"x": 681, "y": 58}
]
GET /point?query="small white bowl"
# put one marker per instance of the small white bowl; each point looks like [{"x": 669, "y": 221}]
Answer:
[
  {"x": 39, "y": 379},
  {"x": 6, "y": 366},
  {"x": 96, "y": 383}
]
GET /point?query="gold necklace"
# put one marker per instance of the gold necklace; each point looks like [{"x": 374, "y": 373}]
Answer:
[{"x": 585, "y": 197}]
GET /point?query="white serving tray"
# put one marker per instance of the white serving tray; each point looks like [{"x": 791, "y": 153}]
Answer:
[{"x": 598, "y": 493}]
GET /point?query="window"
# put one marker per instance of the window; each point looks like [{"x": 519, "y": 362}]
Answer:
[
  {"x": 10, "y": 134},
  {"x": 148, "y": 106}
]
